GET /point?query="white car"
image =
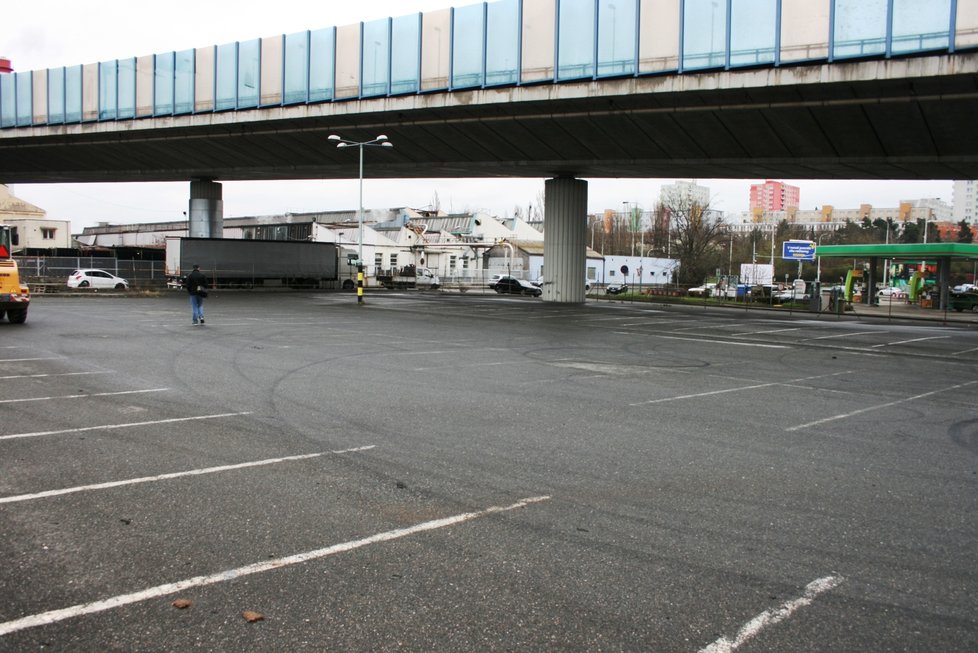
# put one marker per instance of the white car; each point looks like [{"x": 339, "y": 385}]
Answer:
[
  {"x": 96, "y": 279},
  {"x": 706, "y": 290},
  {"x": 539, "y": 283},
  {"x": 890, "y": 292}
]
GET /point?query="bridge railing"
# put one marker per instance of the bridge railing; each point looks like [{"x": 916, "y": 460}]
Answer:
[{"x": 484, "y": 45}]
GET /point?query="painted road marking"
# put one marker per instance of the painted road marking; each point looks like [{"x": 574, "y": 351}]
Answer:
[
  {"x": 846, "y": 335},
  {"x": 755, "y": 626},
  {"x": 120, "y": 426},
  {"x": 738, "y": 389},
  {"x": 172, "y": 475},
  {"x": 84, "y": 396},
  {"x": 55, "y": 616},
  {"x": 41, "y": 376},
  {"x": 21, "y": 360},
  {"x": 758, "y": 333},
  {"x": 877, "y": 407},
  {"x": 734, "y": 343},
  {"x": 708, "y": 326},
  {"x": 903, "y": 342}
]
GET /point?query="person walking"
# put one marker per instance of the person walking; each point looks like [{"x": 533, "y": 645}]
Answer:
[{"x": 196, "y": 284}]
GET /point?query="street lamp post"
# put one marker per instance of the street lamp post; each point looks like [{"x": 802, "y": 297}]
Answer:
[
  {"x": 923, "y": 264},
  {"x": 380, "y": 141}
]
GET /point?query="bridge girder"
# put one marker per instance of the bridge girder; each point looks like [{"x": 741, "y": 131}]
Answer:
[{"x": 909, "y": 118}]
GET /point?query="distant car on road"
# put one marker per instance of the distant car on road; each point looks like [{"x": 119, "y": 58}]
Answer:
[
  {"x": 89, "y": 278},
  {"x": 516, "y": 287},
  {"x": 616, "y": 288}
]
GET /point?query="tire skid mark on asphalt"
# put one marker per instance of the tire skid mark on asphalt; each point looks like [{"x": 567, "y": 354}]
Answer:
[
  {"x": 101, "y": 605},
  {"x": 172, "y": 475}
]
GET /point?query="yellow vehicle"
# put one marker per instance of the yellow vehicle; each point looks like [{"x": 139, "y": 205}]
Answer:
[{"x": 15, "y": 297}]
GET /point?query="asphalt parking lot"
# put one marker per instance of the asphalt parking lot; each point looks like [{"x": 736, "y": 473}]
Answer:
[{"x": 437, "y": 472}]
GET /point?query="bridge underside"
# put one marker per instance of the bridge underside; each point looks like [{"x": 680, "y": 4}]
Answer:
[
  {"x": 898, "y": 119},
  {"x": 908, "y": 118}
]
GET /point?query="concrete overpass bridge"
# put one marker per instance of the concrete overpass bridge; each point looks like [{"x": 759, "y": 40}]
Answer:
[{"x": 560, "y": 89}]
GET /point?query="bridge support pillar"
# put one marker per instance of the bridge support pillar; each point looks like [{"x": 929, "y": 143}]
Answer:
[
  {"x": 206, "y": 209},
  {"x": 564, "y": 248}
]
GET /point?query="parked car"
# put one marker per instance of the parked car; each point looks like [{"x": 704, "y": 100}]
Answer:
[
  {"x": 540, "y": 281},
  {"x": 516, "y": 287},
  {"x": 496, "y": 278},
  {"x": 965, "y": 287},
  {"x": 616, "y": 288},
  {"x": 890, "y": 291},
  {"x": 963, "y": 301},
  {"x": 706, "y": 290},
  {"x": 96, "y": 279}
]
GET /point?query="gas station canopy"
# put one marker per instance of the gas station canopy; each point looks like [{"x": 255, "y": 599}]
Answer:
[{"x": 911, "y": 251}]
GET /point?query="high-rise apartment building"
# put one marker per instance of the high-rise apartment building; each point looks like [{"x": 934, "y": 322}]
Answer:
[
  {"x": 965, "y": 201},
  {"x": 684, "y": 193},
  {"x": 774, "y": 196}
]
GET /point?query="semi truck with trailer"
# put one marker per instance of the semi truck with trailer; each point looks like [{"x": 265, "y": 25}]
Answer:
[{"x": 241, "y": 263}]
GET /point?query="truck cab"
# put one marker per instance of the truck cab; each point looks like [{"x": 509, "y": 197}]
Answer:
[{"x": 15, "y": 297}]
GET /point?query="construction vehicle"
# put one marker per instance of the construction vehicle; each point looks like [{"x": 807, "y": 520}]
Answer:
[{"x": 15, "y": 297}]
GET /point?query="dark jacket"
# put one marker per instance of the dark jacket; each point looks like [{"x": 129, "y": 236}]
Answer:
[{"x": 195, "y": 282}]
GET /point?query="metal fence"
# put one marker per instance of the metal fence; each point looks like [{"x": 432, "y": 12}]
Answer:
[{"x": 54, "y": 270}]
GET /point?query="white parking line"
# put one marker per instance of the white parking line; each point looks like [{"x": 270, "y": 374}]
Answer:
[
  {"x": 738, "y": 389},
  {"x": 41, "y": 376},
  {"x": 21, "y": 360},
  {"x": 755, "y": 626},
  {"x": 903, "y": 342},
  {"x": 84, "y": 396},
  {"x": 710, "y": 325},
  {"x": 55, "y": 616},
  {"x": 877, "y": 407},
  {"x": 165, "y": 477},
  {"x": 846, "y": 335},
  {"x": 724, "y": 342},
  {"x": 119, "y": 426},
  {"x": 757, "y": 333}
]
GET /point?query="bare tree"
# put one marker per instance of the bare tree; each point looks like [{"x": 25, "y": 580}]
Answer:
[{"x": 697, "y": 235}]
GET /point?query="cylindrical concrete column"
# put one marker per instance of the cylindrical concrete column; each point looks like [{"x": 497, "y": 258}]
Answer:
[
  {"x": 206, "y": 209},
  {"x": 565, "y": 240}
]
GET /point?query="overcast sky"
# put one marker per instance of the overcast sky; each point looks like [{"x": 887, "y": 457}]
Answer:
[{"x": 44, "y": 34}]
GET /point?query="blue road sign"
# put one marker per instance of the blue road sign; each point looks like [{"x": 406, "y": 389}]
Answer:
[{"x": 798, "y": 250}]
